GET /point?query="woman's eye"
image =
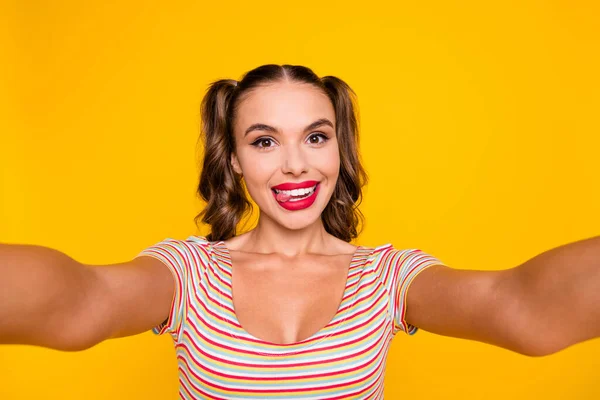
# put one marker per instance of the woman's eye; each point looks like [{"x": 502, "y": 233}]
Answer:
[
  {"x": 263, "y": 142},
  {"x": 318, "y": 138},
  {"x": 266, "y": 142}
]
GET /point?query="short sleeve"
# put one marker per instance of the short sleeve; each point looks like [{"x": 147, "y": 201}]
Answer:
[
  {"x": 403, "y": 266},
  {"x": 177, "y": 256}
]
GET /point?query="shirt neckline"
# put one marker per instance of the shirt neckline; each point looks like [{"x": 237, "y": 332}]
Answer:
[{"x": 318, "y": 335}]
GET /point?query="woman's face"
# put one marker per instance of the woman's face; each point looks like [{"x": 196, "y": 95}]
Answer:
[{"x": 285, "y": 139}]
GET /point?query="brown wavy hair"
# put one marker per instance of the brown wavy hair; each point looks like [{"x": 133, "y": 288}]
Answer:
[{"x": 223, "y": 190}]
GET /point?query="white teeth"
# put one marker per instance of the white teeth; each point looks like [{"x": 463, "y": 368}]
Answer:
[{"x": 297, "y": 192}]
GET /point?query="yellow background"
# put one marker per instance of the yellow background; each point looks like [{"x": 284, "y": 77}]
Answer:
[{"x": 480, "y": 132}]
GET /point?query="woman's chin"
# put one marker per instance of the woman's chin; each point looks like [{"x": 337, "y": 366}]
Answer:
[{"x": 294, "y": 220}]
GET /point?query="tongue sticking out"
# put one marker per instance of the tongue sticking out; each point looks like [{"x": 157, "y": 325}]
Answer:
[{"x": 282, "y": 197}]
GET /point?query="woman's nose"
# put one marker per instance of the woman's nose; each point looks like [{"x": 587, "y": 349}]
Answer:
[{"x": 294, "y": 161}]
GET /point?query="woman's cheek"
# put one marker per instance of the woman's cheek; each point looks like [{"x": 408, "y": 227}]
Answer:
[
  {"x": 257, "y": 167},
  {"x": 331, "y": 162}
]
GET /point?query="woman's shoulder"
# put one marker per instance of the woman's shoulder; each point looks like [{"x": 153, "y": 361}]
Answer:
[
  {"x": 378, "y": 249},
  {"x": 383, "y": 253},
  {"x": 186, "y": 247},
  {"x": 201, "y": 240}
]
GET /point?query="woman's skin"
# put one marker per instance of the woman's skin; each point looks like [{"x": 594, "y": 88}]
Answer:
[{"x": 289, "y": 273}]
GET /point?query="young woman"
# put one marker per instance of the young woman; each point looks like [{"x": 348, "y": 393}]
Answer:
[{"x": 290, "y": 309}]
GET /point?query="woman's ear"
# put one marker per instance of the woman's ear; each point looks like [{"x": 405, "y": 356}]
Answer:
[{"x": 235, "y": 164}]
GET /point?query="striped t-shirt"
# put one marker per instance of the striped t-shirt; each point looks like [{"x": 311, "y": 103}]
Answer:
[{"x": 218, "y": 359}]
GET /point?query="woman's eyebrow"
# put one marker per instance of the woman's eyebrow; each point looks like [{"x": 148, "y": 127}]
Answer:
[
  {"x": 318, "y": 123},
  {"x": 268, "y": 128}
]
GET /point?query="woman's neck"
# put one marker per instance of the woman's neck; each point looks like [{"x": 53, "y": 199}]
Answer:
[{"x": 270, "y": 237}]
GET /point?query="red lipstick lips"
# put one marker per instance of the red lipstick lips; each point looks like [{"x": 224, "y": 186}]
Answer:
[{"x": 287, "y": 201}]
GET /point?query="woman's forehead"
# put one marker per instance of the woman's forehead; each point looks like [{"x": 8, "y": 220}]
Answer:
[{"x": 287, "y": 105}]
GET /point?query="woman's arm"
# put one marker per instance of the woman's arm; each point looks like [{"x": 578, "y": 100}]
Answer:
[
  {"x": 49, "y": 299},
  {"x": 544, "y": 305}
]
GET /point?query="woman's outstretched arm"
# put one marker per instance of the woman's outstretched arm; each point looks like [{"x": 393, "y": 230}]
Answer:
[
  {"x": 49, "y": 299},
  {"x": 544, "y": 305}
]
